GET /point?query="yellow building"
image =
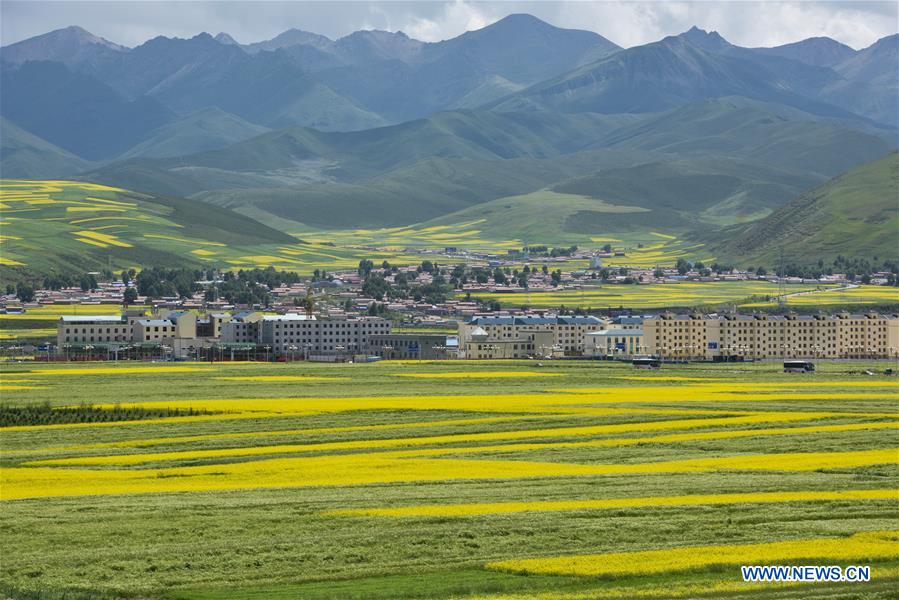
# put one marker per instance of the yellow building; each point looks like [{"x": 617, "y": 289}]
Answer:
[{"x": 711, "y": 337}]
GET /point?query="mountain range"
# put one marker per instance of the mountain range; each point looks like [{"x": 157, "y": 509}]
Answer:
[{"x": 379, "y": 129}]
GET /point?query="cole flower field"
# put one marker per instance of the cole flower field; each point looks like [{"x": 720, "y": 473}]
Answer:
[{"x": 428, "y": 479}]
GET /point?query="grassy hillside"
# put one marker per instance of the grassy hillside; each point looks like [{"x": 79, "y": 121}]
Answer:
[
  {"x": 720, "y": 161},
  {"x": 712, "y": 190},
  {"x": 633, "y": 192},
  {"x": 855, "y": 214},
  {"x": 431, "y": 188},
  {"x": 23, "y": 154},
  {"x": 761, "y": 132},
  {"x": 299, "y": 156},
  {"x": 667, "y": 74},
  {"x": 203, "y": 130},
  {"x": 76, "y": 111},
  {"x": 48, "y": 226},
  {"x": 542, "y": 216}
]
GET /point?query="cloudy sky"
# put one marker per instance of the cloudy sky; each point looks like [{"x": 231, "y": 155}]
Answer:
[{"x": 628, "y": 23}]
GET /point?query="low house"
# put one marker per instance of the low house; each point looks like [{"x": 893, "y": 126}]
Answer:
[{"x": 614, "y": 343}]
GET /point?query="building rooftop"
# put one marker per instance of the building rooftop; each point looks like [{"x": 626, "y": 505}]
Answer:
[
  {"x": 93, "y": 319},
  {"x": 289, "y": 317},
  {"x": 615, "y": 332},
  {"x": 240, "y": 316},
  {"x": 154, "y": 322},
  {"x": 548, "y": 320},
  {"x": 623, "y": 320}
]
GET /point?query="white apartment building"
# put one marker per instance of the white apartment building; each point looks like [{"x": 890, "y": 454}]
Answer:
[
  {"x": 243, "y": 328},
  {"x": 98, "y": 329},
  {"x": 306, "y": 334}
]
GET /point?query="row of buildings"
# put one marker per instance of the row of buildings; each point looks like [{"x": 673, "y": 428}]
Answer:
[
  {"x": 184, "y": 332},
  {"x": 668, "y": 335}
]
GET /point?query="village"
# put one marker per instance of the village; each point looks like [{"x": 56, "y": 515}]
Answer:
[{"x": 431, "y": 311}]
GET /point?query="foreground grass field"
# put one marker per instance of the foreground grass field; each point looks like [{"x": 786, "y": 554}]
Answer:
[{"x": 447, "y": 480}]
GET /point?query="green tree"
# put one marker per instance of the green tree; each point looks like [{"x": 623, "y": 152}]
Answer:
[
  {"x": 130, "y": 296},
  {"x": 25, "y": 292}
]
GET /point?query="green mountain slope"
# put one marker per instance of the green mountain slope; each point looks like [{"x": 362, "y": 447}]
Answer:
[
  {"x": 855, "y": 214},
  {"x": 299, "y": 156},
  {"x": 634, "y": 192},
  {"x": 669, "y": 73},
  {"x": 76, "y": 111},
  {"x": 404, "y": 79},
  {"x": 206, "y": 129},
  {"x": 871, "y": 81},
  {"x": 25, "y": 155},
  {"x": 763, "y": 132},
  {"x": 76, "y": 226},
  {"x": 716, "y": 161},
  {"x": 713, "y": 190},
  {"x": 424, "y": 190}
]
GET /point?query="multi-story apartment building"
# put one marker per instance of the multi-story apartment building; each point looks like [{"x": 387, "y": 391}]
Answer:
[
  {"x": 243, "y": 328},
  {"x": 101, "y": 329},
  {"x": 567, "y": 332},
  {"x": 129, "y": 328},
  {"x": 153, "y": 331},
  {"x": 718, "y": 337},
  {"x": 528, "y": 344},
  {"x": 302, "y": 333}
]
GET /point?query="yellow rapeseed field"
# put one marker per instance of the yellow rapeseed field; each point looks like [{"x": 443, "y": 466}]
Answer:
[
  {"x": 480, "y": 375},
  {"x": 866, "y": 546},
  {"x": 386, "y": 467},
  {"x": 493, "y": 508}
]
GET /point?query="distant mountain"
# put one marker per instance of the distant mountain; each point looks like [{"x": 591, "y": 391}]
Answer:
[
  {"x": 716, "y": 161},
  {"x": 227, "y": 40},
  {"x": 25, "y": 156},
  {"x": 871, "y": 84},
  {"x": 875, "y": 64},
  {"x": 298, "y": 155},
  {"x": 710, "y": 41},
  {"x": 267, "y": 88},
  {"x": 363, "y": 47},
  {"x": 822, "y": 69},
  {"x": 855, "y": 214},
  {"x": 206, "y": 129},
  {"x": 763, "y": 132},
  {"x": 667, "y": 74},
  {"x": 518, "y": 120},
  {"x": 76, "y": 111},
  {"x": 486, "y": 64},
  {"x": 522, "y": 48},
  {"x": 72, "y": 46},
  {"x": 291, "y": 37},
  {"x": 162, "y": 63},
  {"x": 818, "y": 51}
]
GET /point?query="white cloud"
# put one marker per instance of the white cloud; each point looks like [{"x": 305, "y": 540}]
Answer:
[{"x": 457, "y": 18}]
